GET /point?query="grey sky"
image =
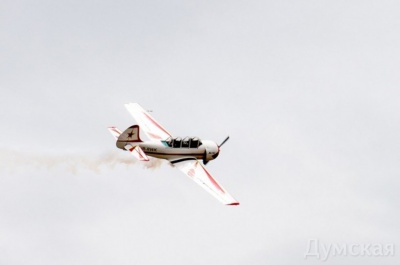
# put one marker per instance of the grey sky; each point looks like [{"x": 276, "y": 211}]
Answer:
[{"x": 307, "y": 90}]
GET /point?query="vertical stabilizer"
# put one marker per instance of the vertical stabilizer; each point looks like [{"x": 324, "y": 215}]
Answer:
[{"x": 129, "y": 136}]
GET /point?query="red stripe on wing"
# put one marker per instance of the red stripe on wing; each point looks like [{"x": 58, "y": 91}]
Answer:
[
  {"x": 154, "y": 135},
  {"x": 213, "y": 181},
  {"x": 156, "y": 124}
]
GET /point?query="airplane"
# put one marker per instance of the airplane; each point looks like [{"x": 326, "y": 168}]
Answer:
[{"x": 189, "y": 154}]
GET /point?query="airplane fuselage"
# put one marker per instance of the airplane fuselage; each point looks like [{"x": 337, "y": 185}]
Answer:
[
  {"x": 207, "y": 151},
  {"x": 171, "y": 148}
]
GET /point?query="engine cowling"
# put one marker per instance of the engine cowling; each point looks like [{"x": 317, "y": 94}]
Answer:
[{"x": 211, "y": 151}]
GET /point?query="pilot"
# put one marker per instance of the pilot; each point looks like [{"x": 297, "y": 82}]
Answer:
[
  {"x": 185, "y": 142},
  {"x": 194, "y": 143},
  {"x": 177, "y": 142},
  {"x": 170, "y": 142}
]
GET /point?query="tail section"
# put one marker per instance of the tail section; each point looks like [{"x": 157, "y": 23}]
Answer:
[
  {"x": 137, "y": 152},
  {"x": 115, "y": 132},
  {"x": 128, "y": 141},
  {"x": 129, "y": 136}
]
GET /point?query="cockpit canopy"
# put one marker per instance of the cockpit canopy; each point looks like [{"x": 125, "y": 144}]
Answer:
[{"x": 187, "y": 142}]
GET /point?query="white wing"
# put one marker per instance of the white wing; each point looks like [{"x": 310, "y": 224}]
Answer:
[
  {"x": 147, "y": 123},
  {"x": 196, "y": 171}
]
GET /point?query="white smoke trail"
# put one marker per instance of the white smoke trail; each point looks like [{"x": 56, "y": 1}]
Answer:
[{"x": 14, "y": 161}]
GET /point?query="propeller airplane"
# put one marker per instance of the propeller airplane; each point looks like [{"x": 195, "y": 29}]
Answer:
[{"x": 189, "y": 154}]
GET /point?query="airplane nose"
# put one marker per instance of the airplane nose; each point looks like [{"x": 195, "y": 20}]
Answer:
[{"x": 214, "y": 156}]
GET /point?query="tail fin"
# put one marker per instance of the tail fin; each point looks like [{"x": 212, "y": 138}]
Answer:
[{"x": 129, "y": 136}]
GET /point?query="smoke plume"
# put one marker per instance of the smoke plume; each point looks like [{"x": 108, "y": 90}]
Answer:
[{"x": 17, "y": 161}]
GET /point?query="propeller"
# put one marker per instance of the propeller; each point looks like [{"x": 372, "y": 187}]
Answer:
[
  {"x": 215, "y": 155},
  {"x": 224, "y": 141}
]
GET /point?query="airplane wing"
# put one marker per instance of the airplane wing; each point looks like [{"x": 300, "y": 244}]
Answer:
[
  {"x": 147, "y": 123},
  {"x": 194, "y": 169}
]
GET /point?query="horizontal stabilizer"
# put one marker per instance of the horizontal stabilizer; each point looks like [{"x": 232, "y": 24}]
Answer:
[
  {"x": 115, "y": 132},
  {"x": 137, "y": 152}
]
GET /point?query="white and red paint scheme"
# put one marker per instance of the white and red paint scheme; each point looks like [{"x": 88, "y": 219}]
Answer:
[{"x": 185, "y": 154}]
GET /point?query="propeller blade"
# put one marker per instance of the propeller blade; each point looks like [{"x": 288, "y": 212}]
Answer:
[{"x": 226, "y": 139}]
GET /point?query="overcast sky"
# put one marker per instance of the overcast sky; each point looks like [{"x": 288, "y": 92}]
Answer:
[{"x": 307, "y": 90}]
